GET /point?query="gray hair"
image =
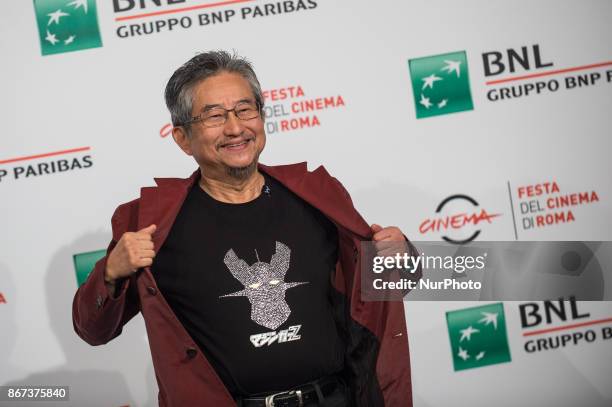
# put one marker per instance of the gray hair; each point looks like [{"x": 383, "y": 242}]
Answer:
[{"x": 179, "y": 90}]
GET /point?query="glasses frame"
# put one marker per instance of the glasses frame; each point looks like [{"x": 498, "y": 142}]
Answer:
[{"x": 200, "y": 118}]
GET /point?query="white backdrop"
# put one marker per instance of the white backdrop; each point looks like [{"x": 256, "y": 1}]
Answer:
[{"x": 108, "y": 102}]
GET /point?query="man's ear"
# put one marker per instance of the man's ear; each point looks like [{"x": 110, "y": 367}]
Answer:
[{"x": 182, "y": 139}]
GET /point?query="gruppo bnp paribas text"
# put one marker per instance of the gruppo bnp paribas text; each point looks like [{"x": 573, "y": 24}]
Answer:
[
  {"x": 216, "y": 13},
  {"x": 407, "y": 263}
]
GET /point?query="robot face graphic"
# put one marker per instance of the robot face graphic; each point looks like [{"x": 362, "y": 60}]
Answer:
[{"x": 264, "y": 285}]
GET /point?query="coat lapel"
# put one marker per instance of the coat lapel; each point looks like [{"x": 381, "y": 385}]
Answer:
[
  {"x": 323, "y": 192},
  {"x": 160, "y": 205}
]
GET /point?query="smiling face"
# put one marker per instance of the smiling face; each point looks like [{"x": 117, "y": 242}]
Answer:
[{"x": 230, "y": 148}]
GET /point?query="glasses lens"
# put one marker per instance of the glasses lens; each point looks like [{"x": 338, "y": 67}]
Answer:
[
  {"x": 214, "y": 117},
  {"x": 246, "y": 111}
]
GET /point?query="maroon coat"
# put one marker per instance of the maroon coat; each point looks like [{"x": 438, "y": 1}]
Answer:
[{"x": 377, "y": 364}]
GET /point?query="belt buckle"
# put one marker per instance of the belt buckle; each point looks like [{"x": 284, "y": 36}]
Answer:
[{"x": 298, "y": 393}]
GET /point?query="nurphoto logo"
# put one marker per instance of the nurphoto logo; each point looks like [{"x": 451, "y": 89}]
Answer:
[
  {"x": 478, "y": 336},
  {"x": 67, "y": 25},
  {"x": 440, "y": 84}
]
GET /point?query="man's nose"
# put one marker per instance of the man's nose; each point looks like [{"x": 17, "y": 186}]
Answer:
[{"x": 233, "y": 125}]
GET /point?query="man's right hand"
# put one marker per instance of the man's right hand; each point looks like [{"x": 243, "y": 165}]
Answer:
[{"x": 133, "y": 251}]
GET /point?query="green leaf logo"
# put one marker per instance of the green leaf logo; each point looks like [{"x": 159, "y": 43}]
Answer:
[
  {"x": 67, "y": 25},
  {"x": 440, "y": 84},
  {"x": 84, "y": 264},
  {"x": 478, "y": 336}
]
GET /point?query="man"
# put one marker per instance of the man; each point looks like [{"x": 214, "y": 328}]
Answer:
[{"x": 246, "y": 275}]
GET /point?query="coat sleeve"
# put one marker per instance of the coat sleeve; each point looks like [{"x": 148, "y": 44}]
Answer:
[{"x": 98, "y": 316}]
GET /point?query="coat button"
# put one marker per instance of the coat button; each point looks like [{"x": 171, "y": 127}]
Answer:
[
  {"x": 99, "y": 301},
  {"x": 151, "y": 290},
  {"x": 191, "y": 353}
]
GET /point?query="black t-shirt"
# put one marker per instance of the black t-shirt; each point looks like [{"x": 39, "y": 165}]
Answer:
[{"x": 251, "y": 283}]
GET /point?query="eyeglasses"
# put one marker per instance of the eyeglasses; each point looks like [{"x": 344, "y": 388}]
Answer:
[{"x": 217, "y": 116}]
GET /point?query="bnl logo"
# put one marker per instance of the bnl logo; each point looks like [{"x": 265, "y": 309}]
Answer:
[
  {"x": 84, "y": 264},
  {"x": 67, "y": 25},
  {"x": 478, "y": 336},
  {"x": 440, "y": 84}
]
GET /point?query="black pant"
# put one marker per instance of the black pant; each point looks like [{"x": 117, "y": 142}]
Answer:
[{"x": 339, "y": 398}]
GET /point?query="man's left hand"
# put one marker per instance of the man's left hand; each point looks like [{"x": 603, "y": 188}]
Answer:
[
  {"x": 388, "y": 234},
  {"x": 384, "y": 239}
]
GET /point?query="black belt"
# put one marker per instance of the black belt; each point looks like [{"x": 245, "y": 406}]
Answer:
[{"x": 296, "y": 397}]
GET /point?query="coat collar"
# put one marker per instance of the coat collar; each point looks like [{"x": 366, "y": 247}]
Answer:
[
  {"x": 160, "y": 205},
  {"x": 323, "y": 192}
]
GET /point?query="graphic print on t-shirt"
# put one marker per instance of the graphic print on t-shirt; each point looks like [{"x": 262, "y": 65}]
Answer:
[{"x": 264, "y": 285}]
